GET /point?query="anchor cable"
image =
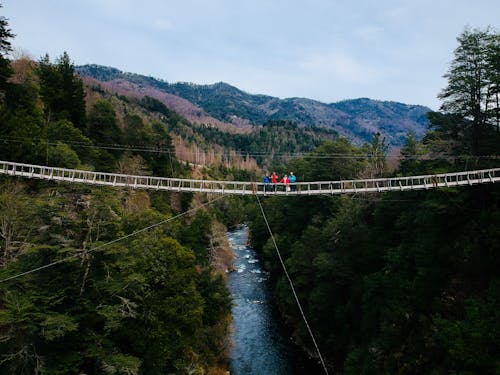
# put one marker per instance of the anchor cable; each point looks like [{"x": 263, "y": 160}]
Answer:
[
  {"x": 292, "y": 287},
  {"x": 111, "y": 242}
]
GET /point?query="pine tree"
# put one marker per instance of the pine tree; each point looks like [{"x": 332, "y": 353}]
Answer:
[
  {"x": 5, "y": 48},
  {"x": 473, "y": 81},
  {"x": 62, "y": 91}
]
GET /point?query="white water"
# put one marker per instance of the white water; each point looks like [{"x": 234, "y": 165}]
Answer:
[{"x": 261, "y": 343}]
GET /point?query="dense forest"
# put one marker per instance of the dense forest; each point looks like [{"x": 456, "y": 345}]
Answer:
[
  {"x": 124, "y": 283},
  {"x": 401, "y": 283},
  {"x": 116, "y": 281},
  {"x": 275, "y": 143}
]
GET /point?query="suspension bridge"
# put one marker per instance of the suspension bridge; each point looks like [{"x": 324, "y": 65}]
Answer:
[{"x": 377, "y": 185}]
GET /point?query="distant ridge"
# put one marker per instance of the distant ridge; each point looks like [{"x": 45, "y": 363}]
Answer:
[{"x": 357, "y": 119}]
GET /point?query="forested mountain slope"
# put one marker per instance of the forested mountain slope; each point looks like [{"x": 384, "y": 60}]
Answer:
[{"x": 356, "y": 119}]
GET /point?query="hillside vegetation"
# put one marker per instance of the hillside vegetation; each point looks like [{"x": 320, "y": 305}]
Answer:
[{"x": 356, "y": 119}]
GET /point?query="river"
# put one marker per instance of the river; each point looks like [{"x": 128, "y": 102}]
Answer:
[{"x": 261, "y": 343}]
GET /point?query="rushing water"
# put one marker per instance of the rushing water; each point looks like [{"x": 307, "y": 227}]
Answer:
[{"x": 261, "y": 343}]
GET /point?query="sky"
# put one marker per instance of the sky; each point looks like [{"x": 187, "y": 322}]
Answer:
[{"x": 327, "y": 50}]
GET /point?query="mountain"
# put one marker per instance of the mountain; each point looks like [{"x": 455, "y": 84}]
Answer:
[{"x": 221, "y": 104}]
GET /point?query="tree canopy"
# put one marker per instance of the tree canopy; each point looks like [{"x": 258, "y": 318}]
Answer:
[{"x": 473, "y": 82}]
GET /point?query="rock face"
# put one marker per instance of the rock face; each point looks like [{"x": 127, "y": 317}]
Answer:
[{"x": 221, "y": 104}]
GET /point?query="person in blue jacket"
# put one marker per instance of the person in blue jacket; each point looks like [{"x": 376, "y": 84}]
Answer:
[
  {"x": 266, "y": 180},
  {"x": 292, "y": 178}
]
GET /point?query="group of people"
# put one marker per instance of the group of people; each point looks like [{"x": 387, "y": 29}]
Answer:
[{"x": 287, "y": 181}]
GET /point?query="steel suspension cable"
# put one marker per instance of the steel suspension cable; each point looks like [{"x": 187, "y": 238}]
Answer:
[
  {"x": 243, "y": 153},
  {"x": 292, "y": 287}
]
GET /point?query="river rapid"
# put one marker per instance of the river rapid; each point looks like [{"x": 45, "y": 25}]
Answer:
[{"x": 261, "y": 343}]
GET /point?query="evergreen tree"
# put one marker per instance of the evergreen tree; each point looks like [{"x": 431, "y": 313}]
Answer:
[
  {"x": 74, "y": 96},
  {"x": 473, "y": 79},
  {"x": 103, "y": 130},
  {"x": 5, "y": 48},
  {"x": 62, "y": 91},
  {"x": 411, "y": 152}
]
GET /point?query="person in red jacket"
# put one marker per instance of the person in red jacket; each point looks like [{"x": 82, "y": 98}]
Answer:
[
  {"x": 274, "y": 180},
  {"x": 286, "y": 183}
]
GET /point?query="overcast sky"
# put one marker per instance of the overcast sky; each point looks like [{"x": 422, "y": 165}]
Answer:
[{"x": 326, "y": 50}]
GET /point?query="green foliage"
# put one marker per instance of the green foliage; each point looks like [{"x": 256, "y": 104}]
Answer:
[
  {"x": 62, "y": 91},
  {"x": 406, "y": 284},
  {"x": 332, "y": 160},
  {"x": 471, "y": 343},
  {"x": 411, "y": 152},
  {"x": 140, "y": 306},
  {"x": 15, "y": 212},
  {"x": 121, "y": 364},
  {"x": 61, "y": 155},
  {"x": 154, "y": 105},
  {"x": 231, "y": 211},
  {"x": 63, "y": 131},
  {"x": 21, "y": 124},
  {"x": 5, "y": 47},
  {"x": 472, "y": 89},
  {"x": 5, "y": 35},
  {"x": 196, "y": 236},
  {"x": 103, "y": 129},
  {"x": 144, "y": 305},
  {"x": 403, "y": 283},
  {"x": 102, "y": 124}
]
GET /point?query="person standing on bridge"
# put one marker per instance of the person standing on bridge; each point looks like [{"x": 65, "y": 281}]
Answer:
[
  {"x": 286, "y": 183},
  {"x": 266, "y": 182},
  {"x": 274, "y": 180},
  {"x": 292, "y": 179}
]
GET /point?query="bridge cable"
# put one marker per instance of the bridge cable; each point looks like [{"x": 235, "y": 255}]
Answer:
[
  {"x": 292, "y": 287},
  {"x": 243, "y": 153},
  {"x": 111, "y": 242}
]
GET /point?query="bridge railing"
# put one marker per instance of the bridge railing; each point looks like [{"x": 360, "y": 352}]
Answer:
[
  {"x": 247, "y": 187},
  {"x": 387, "y": 184}
]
